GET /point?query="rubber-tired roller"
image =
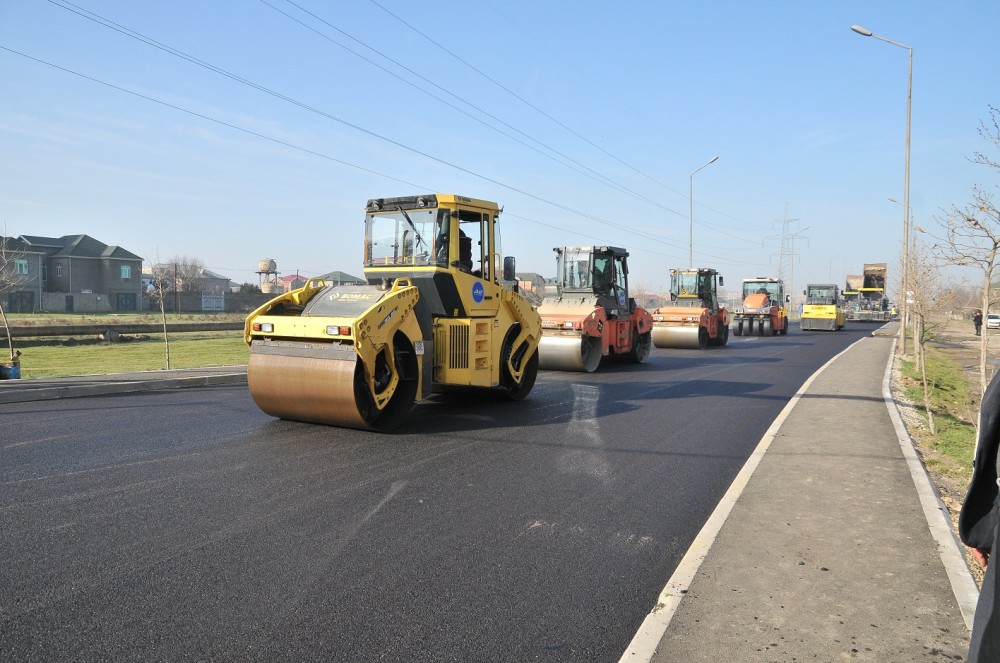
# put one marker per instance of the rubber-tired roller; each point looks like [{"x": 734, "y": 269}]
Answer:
[{"x": 436, "y": 314}]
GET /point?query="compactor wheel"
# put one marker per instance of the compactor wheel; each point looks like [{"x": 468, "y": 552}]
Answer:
[
  {"x": 738, "y": 328},
  {"x": 723, "y": 338},
  {"x": 641, "y": 345},
  {"x": 516, "y": 391},
  {"x": 404, "y": 364},
  {"x": 767, "y": 327}
]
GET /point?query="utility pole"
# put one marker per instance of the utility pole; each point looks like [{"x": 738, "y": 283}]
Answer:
[{"x": 786, "y": 255}]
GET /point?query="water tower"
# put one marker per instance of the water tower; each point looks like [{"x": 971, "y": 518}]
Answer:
[{"x": 267, "y": 277}]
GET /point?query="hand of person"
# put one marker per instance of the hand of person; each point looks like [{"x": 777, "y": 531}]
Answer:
[{"x": 982, "y": 556}]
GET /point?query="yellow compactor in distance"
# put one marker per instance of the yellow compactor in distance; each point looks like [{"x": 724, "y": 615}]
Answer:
[
  {"x": 822, "y": 309},
  {"x": 440, "y": 312}
]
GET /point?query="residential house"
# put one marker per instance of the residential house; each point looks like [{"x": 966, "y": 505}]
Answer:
[
  {"x": 80, "y": 273},
  {"x": 292, "y": 282},
  {"x": 340, "y": 278},
  {"x": 213, "y": 283},
  {"x": 22, "y": 271}
]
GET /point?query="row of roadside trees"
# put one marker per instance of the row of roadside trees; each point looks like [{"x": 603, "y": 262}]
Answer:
[{"x": 968, "y": 236}]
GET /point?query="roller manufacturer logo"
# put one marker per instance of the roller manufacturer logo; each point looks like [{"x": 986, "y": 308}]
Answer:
[
  {"x": 478, "y": 292},
  {"x": 352, "y": 296},
  {"x": 389, "y": 317}
]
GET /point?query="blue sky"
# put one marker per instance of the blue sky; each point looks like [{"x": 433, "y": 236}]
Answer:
[{"x": 585, "y": 120}]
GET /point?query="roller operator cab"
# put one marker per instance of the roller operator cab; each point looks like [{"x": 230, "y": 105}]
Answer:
[
  {"x": 592, "y": 316},
  {"x": 763, "y": 312},
  {"x": 440, "y": 312},
  {"x": 694, "y": 318},
  {"x": 822, "y": 309}
]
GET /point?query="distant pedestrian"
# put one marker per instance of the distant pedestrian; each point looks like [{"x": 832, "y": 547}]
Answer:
[
  {"x": 977, "y": 320},
  {"x": 977, "y": 525}
]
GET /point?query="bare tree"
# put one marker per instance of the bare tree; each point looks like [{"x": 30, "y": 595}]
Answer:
[
  {"x": 972, "y": 239},
  {"x": 928, "y": 299},
  {"x": 991, "y": 133},
  {"x": 10, "y": 280},
  {"x": 972, "y": 234},
  {"x": 187, "y": 273},
  {"x": 161, "y": 273}
]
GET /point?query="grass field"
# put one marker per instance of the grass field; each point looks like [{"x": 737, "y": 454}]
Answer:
[
  {"x": 144, "y": 353},
  {"x": 44, "y": 319},
  {"x": 953, "y": 408}
]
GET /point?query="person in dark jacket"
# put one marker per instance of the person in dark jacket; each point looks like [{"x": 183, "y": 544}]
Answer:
[
  {"x": 977, "y": 526},
  {"x": 977, "y": 320}
]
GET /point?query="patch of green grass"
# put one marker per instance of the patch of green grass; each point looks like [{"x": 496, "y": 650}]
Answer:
[
  {"x": 952, "y": 404},
  {"x": 190, "y": 350},
  {"x": 132, "y": 317}
]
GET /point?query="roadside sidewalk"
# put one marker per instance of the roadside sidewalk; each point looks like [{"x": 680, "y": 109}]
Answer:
[
  {"x": 836, "y": 548},
  {"x": 39, "y": 389}
]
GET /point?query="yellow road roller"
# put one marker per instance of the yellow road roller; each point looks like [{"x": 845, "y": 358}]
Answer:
[{"x": 440, "y": 312}]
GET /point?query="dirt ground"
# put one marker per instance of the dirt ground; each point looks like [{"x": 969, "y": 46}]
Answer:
[{"x": 957, "y": 339}]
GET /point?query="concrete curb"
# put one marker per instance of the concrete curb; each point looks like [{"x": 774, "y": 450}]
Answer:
[{"x": 98, "y": 388}]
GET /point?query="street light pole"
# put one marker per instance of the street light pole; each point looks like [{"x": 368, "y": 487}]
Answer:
[
  {"x": 691, "y": 212},
  {"x": 904, "y": 308}
]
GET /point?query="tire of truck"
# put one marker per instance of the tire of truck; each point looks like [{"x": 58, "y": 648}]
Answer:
[
  {"x": 767, "y": 327},
  {"x": 737, "y": 327}
]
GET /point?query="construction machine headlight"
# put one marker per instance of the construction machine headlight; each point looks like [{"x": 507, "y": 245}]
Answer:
[
  {"x": 265, "y": 327},
  {"x": 335, "y": 330}
]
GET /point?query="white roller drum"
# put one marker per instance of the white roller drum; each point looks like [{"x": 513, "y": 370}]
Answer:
[
  {"x": 675, "y": 337},
  {"x": 569, "y": 353}
]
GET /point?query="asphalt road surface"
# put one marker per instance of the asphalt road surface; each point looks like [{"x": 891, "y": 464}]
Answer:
[{"x": 187, "y": 524}]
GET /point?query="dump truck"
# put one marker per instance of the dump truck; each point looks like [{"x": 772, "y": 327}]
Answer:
[
  {"x": 763, "y": 312},
  {"x": 865, "y": 295},
  {"x": 693, "y": 318},
  {"x": 591, "y": 316},
  {"x": 439, "y": 312},
  {"x": 822, "y": 309}
]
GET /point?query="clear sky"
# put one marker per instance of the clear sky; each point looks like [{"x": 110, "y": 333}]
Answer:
[{"x": 258, "y": 129}]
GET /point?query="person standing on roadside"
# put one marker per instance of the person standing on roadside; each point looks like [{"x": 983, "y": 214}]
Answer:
[
  {"x": 977, "y": 320},
  {"x": 977, "y": 526}
]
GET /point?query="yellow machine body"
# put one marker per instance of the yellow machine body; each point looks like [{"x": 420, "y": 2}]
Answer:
[
  {"x": 822, "y": 310},
  {"x": 434, "y": 316}
]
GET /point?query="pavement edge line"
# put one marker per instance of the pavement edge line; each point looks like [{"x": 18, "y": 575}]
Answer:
[
  {"x": 646, "y": 640},
  {"x": 938, "y": 517}
]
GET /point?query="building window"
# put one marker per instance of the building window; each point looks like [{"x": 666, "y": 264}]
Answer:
[
  {"x": 126, "y": 271},
  {"x": 45, "y": 273},
  {"x": 20, "y": 266},
  {"x": 58, "y": 271}
]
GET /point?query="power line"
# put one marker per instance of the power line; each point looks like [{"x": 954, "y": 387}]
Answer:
[
  {"x": 68, "y": 6},
  {"x": 577, "y": 166},
  {"x": 336, "y": 160},
  {"x": 525, "y": 101}
]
